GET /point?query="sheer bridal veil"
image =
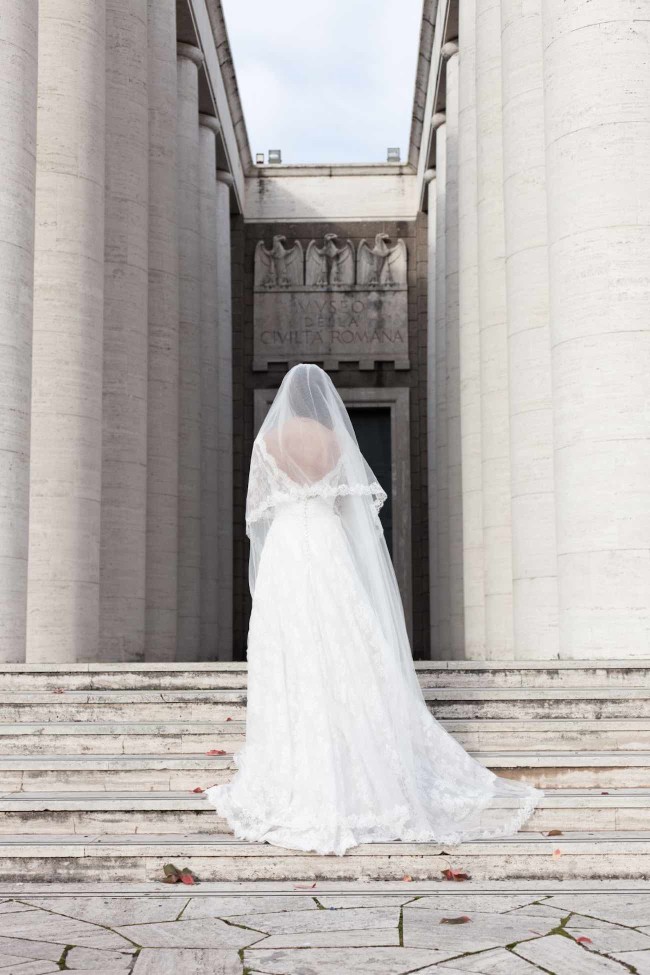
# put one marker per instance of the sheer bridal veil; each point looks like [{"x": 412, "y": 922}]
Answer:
[{"x": 307, "y": 447}]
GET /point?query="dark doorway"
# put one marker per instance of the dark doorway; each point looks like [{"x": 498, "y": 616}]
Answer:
[{"x": 372, "y": 427}]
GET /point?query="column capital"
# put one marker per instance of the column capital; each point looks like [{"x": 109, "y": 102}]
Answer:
[
  {"x": 190, "y": 52},
  {"x": 225, "y": 177},
  {"x": 437, "y": 119},
  {"x": 210, "y": 122},
  {"x": 429, "y": 175},
  {"x": 449, "y": 49}
]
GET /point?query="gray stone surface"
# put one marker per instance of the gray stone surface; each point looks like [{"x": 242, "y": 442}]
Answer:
[
  {"x": 162, "y": 416},
  {"x": 93, "y": 958},
  {"x": 113, "y": 911},
  {"x": 66, "y": 431},
  {"x": 309, "y": 939},
  {"x": 498, "y": 961},
  {"x": 345, "y": 919},
  {"x": 558, "y": 954},
  {"x": 423, "y": 929},
  {"x": 473, "y": 903},
  {"x": 174, "y": 961},
  {"x": 15, "y": 965},
  {"x": 189, "y": 472},
  {"x": 56, "y": 929},
  {"x": 352, "y": 961},
  {"x": 368, "y": 937},
  {"x": 30, "y": 948},
  {"x": 639, "y": 960},
  {"x": 224, "y": 906},
  {"x": 631, "y": 909},
  {"x": 18, "y": 44},
  {"x": 195, "y": 933}
]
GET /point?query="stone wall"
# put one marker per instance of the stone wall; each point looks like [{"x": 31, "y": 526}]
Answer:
[{"x": 347, "y": 375}]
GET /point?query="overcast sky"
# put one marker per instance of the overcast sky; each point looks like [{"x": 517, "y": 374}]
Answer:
[{"x": 326, "y": 81}]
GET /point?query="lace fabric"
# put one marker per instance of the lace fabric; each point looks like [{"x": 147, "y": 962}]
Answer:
[{"x": 340, "y": 747}]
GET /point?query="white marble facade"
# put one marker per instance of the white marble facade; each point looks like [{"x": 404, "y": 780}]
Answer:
[
  {"x": 115, "y": 457},
  {"x": 122, "y": 162},
  {"x": 551, "y": 170}
]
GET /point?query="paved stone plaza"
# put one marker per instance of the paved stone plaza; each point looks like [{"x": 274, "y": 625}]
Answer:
[{"x": 333, "y": 929}]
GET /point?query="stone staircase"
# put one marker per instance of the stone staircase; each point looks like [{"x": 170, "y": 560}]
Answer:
[{"x": 98, "y": 763}]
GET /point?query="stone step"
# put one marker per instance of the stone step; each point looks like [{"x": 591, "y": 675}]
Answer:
[
  {"x": 223, "y": 675},
  {"x": 139, "y": 858},
  {"x": 180, "y": 737},
  {"x": 185, "y": 812},
  {"x": 156, "y": 772},
  {"x": 217, "y": 705}
]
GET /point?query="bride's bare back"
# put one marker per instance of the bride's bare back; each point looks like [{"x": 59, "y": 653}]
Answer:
[{"x": 303, "y": 448}]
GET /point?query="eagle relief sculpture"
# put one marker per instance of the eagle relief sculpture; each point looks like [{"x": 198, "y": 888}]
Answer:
[
  {"x": 380, "y": 264},
  {"x": 277, "y": 266},
  {"x": 330, "y": 264}
]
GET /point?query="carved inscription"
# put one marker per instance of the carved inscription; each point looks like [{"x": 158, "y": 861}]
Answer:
[{"x": 341, "y": 307}]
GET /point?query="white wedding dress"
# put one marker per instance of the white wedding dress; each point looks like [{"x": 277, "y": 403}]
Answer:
[{"x": 340, "y": 747}]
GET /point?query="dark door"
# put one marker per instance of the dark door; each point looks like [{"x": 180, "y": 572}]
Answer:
[{"x": 372, "y": 427}]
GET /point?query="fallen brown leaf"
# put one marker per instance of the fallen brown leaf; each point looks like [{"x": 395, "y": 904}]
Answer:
[
  {"x": 554, "y": 832},
  {"x": 216, "y": 751},
  {"x": 451, "y": 874},
  {"x": 584, "y": 940},
  {"x": 407, "y": 878},
  {"x": 463, "y": 919},
  {"x": 198, "y": 789}
]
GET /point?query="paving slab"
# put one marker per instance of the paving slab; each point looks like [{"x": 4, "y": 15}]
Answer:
[
  {"x": 30, "y": 948},
  {"x": 345, "y": 919},
  {"x": 561, "y": 955},
  {"x": 497, "y": 961},
  {"x": 41, "y": 925},
  {"x": 639, "y": 960},
  {"x": 332, "y": 902},
  {"x": 13, "y": 907},
  {"x": 608, "y": 939},
  {"x": 351, "y": 961},
  {"x": 370, "y": 938},
  {"x": 426, "y": 929},
  {"x": 11, "y": 965},
  {"x": 111, "y": 911},
  {"x": 467, "y": 902},
  {"x": 95, "y": 959},
  {"x": 629, "y": 909},
  {"x": 204, "y": 932},
  {"x": 225, "y": 906},
  {"x": 179, "y": 961}
]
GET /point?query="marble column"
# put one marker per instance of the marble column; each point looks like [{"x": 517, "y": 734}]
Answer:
[
  {"x": 495, "y": 425},
  {"x": 534, "y": 552},
  {"x": 189, "y": 262},
  {"x": 432, "y": 482},
  {"x": 442, "y": 429},
  {"x": 455, "y": 491},
  {"x": 162, "y": 413},
  {"x": 18, "y": 54},
  {"x": 598, "y": 191},
  {"x": 469, "y": 340},
  {"x": 65, "y": 486},
  {"x": 224, "y": 385},
  {"x": 209, "y": 127},
  {"x": 124, "y": 424}
]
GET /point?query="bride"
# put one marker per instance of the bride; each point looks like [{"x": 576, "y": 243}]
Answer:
[{"x": 340, "y": 747}]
